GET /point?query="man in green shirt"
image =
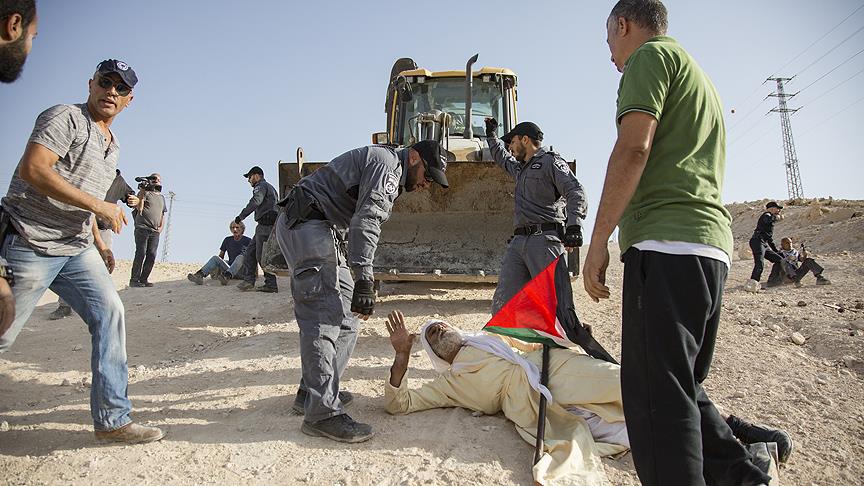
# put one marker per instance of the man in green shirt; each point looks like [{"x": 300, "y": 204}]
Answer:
[{"x": 662, "y": 190}]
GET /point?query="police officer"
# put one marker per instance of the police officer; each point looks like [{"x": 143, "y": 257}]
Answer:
[
  {"x": 762, "y": 243},
  {"x": 347, "y": 200},
  {"x": 550, "y": 206},
  {"x": 263, "y": 203}
]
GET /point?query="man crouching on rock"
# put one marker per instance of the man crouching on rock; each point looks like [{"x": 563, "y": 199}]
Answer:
[{"x": 60, "y": 183}]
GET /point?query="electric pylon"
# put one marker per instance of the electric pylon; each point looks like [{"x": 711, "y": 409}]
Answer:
[
  {"x": 793, "y": 176},
  {"x": 171, "y": 195}
]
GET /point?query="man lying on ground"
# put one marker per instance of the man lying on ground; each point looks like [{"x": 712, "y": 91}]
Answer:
[
  {"x": 483, "y": 372},
  {"x": 794, "y": 267}
]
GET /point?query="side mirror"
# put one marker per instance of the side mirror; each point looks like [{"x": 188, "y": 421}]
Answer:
[{"x": 380, "y": 138}]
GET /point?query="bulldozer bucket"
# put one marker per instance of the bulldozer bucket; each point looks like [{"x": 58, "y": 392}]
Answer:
[{"x": 457, "y": 234}]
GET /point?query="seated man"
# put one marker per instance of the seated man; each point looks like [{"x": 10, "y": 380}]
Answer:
[
  {"x": 235, "y": 245},
  {"x": 585, "y": 420},
  {"x": 788, "y": 270}
]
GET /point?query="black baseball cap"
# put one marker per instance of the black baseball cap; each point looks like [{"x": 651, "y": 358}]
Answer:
[
  {"x": 773, "y": 204},
  {"x": 254, "y": 170},
  {"x": 436, "y": 157},
  {"x": 525, "y": 128},
  {"x": 127, "y": 74}
]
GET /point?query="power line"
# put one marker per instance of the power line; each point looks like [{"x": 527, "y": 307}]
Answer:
[
  {"x": 832, "y": 70},
  {"x": 837, "y": 85},
  {"x": 819, "y": 39},
  {"x": 831, "y": 117},
  {"x": 747, "y": 98},
  {"x": 831, "y": 50}
]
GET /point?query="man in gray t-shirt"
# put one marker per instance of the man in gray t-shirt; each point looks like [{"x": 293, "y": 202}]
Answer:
[
  {"x": 149, "y": 218},
  {"x": 57, "y": 188}
]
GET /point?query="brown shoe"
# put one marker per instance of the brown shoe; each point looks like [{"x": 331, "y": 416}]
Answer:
[{"x": 130, "y": 433}]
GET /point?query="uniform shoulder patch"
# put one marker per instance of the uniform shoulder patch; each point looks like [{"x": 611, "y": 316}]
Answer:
[
  {"x": 536, "y": 165},
  {"x": 561, "y": 164},
  {"x": 391, "y": 184}
]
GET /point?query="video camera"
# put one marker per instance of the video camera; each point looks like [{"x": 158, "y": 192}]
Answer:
[{"x": 148, "y": 183}]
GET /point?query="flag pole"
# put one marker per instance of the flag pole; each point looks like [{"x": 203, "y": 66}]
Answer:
[{"x": 541, "y": 417}]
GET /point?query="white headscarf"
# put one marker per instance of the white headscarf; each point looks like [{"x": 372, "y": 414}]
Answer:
[{"x": 486, "y": 342}]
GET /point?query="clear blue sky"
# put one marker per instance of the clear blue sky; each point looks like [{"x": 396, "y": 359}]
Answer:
[{"x": 227, "y": 85}]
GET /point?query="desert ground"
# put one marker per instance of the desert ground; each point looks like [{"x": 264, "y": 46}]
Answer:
[{"x": 218, "y": 370}]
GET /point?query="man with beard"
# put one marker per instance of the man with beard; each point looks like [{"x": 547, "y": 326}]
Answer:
[
  {"x": 59, "y": 185},
  {"x": 18, "y": 23},
  {"x": 548, "y": 198},
  {"x": 663, "y": 185},
  {"x": 328, "y": 229}
]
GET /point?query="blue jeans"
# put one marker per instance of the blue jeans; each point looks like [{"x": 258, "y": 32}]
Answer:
[
  {"x": 84, "y": 283},
  {"x": 215, "y": 262}
]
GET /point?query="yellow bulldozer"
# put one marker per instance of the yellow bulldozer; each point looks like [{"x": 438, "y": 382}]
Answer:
[{"x": 457, "y": 234}]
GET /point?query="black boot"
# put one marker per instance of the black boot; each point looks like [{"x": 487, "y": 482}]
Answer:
[{"x": 751, "y": 433}]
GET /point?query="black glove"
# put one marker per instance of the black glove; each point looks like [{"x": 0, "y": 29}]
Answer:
[
  {"x": 363, "y": 300},
  {"x": 237, "y": 220},
  {"x": 491, "y": 127},
  {"x": 573, "y": 236}
]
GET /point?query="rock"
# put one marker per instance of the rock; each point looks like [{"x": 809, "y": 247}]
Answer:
[
  {"x": 783, "y": 304},
  {"x": 755, "y": 322},
  {"x": 77, "y": 347},
  {"x": 738, "y": 395},
  {"x": 859, "y": 305},
  {"x": 852, "y": 362},
  {"x": 821, "y": 381},
  {"x": 775, "y": 328},
  {"x": 801, "y": 303},
  {"x": 259, "y": 329},
  {"x": 65, "y": 382},
  {"x": 141, "y": 368},
  {"x": 4, "y": 426},
  {"x": 797, "y": 338},
  {"x": 477, "y": 414}
]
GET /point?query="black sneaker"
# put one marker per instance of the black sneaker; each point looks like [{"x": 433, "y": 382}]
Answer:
[
  {"x": 820, "y": 280},
  {"x": 268, "y": 289},
  {"x": 223, "y": 277},
  {"x": 340, "y": 428},
  {"x": 299, "y": 406},
  {"x": 135, "y": 283},
  {"x": 146, "y": 284},
  {"x": 751, "y": 433},
  {"x": 195, "y": 278},
  {"x": 245, "y": 286},
  {"x": 61, "y": 312}
]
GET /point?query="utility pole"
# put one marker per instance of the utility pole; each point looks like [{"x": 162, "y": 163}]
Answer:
[
  {"x": 171, "y": 196},
  {"x": 793, "y": 176}
]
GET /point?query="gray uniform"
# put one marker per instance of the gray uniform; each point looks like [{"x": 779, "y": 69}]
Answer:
[
  {"x": 263, "y": 203},
  {"x": 548, "y": 195},
  {"x": 351, "y": 196}
]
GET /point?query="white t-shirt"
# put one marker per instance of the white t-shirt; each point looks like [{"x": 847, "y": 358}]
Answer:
[{"x": 684, "y": 248}]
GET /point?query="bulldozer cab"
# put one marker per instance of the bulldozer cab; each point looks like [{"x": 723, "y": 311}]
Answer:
[{"x": 460, "y": 233}]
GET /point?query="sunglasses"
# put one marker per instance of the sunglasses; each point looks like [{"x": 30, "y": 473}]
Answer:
[{"x": 106, "y": 83}]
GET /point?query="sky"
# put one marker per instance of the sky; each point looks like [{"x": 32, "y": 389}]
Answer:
[{"x": 227, "y": 85}]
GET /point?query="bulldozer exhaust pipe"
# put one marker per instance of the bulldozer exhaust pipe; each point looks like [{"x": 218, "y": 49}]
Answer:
[{"x": 469, "y": 85}]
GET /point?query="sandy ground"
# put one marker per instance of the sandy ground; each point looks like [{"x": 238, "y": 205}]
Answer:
[{"x": 218, "y": 369}]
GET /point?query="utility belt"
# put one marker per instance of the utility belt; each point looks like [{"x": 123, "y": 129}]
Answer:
[
  {"x": 300, "y": 207},
  {"x": 268, "y": 219},
  {"x": 537, "y": 229}
]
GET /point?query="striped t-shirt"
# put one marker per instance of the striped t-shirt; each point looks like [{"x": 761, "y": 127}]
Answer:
[{"x": 86, "y": 160}]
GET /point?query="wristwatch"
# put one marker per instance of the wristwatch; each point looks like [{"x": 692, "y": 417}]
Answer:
[{"x": 7, "y": 273}]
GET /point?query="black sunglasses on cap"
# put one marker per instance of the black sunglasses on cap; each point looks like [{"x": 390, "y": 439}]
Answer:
[{"x": 106, "y": 83}]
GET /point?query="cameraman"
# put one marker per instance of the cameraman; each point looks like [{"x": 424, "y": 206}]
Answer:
[{"x": 149, "y": 216}]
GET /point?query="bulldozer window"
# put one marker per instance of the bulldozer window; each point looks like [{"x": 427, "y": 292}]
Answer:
[{"x": 448, "y": 95}]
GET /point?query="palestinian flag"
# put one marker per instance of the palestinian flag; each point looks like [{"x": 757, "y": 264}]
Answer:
[{"x": 543, "y": 312}]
